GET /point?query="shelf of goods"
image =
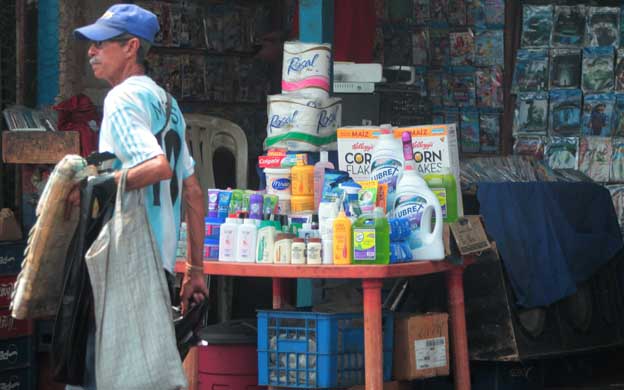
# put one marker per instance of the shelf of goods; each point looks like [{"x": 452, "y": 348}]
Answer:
[{"x": 372, "y": 277}]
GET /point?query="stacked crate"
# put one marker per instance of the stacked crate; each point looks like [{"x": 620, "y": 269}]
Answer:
[{"x": 17, "y": 346}]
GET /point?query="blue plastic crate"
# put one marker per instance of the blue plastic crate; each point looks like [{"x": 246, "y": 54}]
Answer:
[{"x": 316, "y": 350}]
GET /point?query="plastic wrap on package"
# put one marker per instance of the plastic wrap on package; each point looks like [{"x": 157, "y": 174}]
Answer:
[{"x": 38, "y": 287}]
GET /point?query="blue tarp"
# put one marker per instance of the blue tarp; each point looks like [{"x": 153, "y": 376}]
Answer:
[{"x": 551, "y": 236}]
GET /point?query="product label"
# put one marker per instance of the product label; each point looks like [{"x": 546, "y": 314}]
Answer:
[
  {"x": 314, "y": 254},
  {"x": 430, "y": 353},
  {"x": 364, "y": 244},
  {"x": 227, "y": 247},
  {"x": 280, "y": 184},
  {"x": 440, "y": 193},
  {"x": 244, "y": 245},
  {"x": 386, "y": 171},
  {"x": 410, "y": 207},
  {"x": 298, "y": 254}
]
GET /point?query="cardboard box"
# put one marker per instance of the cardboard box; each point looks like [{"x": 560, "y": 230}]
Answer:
[
  {"x": 421, "y": 346},
  {"x": 38, "y": 147},
  {"x": 435, "y": 148}
]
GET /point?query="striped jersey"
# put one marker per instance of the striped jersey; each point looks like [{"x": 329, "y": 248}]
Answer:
[{"x": 132, "y": 129}]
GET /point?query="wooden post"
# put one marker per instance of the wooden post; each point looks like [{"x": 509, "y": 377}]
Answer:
[{"x": 373, "y": 341}]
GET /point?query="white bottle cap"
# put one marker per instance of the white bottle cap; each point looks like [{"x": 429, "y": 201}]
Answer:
[
  {"x": 324, "y": 156},
  {"x": 232, "y": 220}
]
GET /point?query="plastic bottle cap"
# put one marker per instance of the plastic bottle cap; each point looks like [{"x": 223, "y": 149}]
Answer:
[
  {"x": 249, "y": 222},
  {"x": 314, "y": 239},
  {"x": 232, "y": 220},
  {"x": 324, "y": 156},
  {"x": 301, "y": 240}
]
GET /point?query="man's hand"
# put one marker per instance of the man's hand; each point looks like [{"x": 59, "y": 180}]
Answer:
[
  {"x": 72, "y": 201},
  {"x": 193, "y": 285}
]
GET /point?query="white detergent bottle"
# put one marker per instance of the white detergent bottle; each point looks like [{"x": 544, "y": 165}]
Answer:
[
  {"x": 415, "y": 201},
  {"x": 387, "y": 161}
]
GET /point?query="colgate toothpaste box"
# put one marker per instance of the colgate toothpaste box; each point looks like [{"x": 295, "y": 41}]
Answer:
[{"x": 435, "y": 147}]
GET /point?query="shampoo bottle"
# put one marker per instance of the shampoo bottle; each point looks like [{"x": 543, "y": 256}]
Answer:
[
  {"x": 319, "y": 177},
  {"x": 342, "y": 239}
]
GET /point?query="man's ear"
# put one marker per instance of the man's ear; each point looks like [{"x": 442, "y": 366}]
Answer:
[{"x": 132, "y": 46}]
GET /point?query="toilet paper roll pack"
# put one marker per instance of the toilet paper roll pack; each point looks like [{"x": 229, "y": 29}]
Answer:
[
  {"x": 306, "y": 68},
  {"x": 299, "y": 123}
]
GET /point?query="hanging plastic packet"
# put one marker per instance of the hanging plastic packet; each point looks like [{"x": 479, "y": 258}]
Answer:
[
  {"x": 367, "y": 196},
  {"x": 331, "y": 189},
  {"x": 269, "y": 205},
  {"x": 351, "y": 190}
]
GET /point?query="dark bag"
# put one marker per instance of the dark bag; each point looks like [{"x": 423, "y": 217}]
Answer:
[{"x": 74, "y": 317}]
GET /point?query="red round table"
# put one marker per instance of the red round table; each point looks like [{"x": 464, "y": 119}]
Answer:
[{"x": 372, "y": 277}]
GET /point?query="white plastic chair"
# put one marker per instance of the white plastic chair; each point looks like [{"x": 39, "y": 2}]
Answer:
[{"x": 205, "y": 134}]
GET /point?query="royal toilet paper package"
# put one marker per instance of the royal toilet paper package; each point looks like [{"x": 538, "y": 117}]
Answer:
[
  {"x": 301, "y": 123},
  {"x": 306, "y": 68}
]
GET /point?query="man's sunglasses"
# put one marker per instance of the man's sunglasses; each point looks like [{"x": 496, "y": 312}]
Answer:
[{"x": 121, "y": 40}]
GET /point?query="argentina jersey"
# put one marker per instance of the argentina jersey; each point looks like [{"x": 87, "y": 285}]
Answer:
[{"x": 133, "y": 129}]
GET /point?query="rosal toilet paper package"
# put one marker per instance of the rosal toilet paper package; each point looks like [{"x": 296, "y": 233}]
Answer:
[
  {"x": 301, "y": 123},
  {"x": 306, "y": 68}
]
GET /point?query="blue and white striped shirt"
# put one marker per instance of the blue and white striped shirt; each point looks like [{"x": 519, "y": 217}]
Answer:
[{"x": 134, "y": 115}]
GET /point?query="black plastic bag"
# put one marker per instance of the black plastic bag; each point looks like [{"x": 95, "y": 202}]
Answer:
[{"x": 74, "y": 317}]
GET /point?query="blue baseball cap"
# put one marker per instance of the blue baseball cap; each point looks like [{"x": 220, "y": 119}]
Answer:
[{"x": 120, "y": 19}]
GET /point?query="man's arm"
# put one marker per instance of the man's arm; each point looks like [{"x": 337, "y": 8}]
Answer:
[
  {"x": 147, "y": 173},
  {"x": 194, "y": 283},
  {"x": 142, "y": 175}
]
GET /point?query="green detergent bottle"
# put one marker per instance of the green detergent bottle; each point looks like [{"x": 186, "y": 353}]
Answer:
[
  {"x": 444, "y": 186},
  {"x": 371, "y": 239}
]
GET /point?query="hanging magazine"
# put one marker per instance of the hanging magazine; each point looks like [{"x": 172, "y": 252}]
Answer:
[
  {"x": 531, "y": 113},
  {"x": 437, "y": 87},
  {"x": 495, "y": 12},
  {"x": 598, "y": 114},
  {"x": 475, "y": 13},
  {"x": 529, "y": 146},
  {"x": 617, "y": 160},
  {"x": 439, "y": 47},
  {"x": 469, "y": 130},
  {"x": 420, "y": 47},
  {"x": 569, "y": 26},
  {"x": 617, "y": 196},
  {"x": 457, "y": 12},
  {"x": 462, "y": 86},
  {"x": 619, "y": 70},
  {"x": 565, "y": 112},
  {"x": 489, "y": 83},
  {"x": 537, "y": 21},
  {"x": 595, "y": 158},
  {"x": 489, "y": 128},
  {"x": 618, "y": 116},
  {"x": 451, "y": 115},
  {"x": 565, "y": 68},
  {"x": 598, "y": 72},
  {"x": 603, "y": 26},
  {"x": 531, "y": 73},
  {"x": 462, "y": 48},
  {"x": 421, "y": 12},
  {"x": 489, "y": 48},
  {"x": 438, "y": 10},
  {"x": 562, "y": 152}
]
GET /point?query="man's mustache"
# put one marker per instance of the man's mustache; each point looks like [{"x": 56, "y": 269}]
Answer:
[{"x": 94, "y": 60}]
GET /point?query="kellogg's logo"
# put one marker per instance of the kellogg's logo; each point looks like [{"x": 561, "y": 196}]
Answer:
[
  {"x": 6, "y": 259},
  {"x": 13, "y": 383}
]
